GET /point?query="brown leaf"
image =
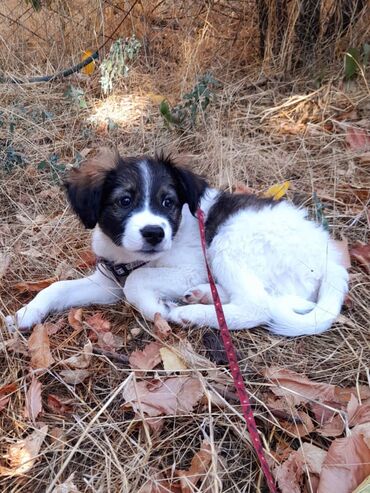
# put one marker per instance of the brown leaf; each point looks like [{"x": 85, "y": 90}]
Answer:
[
  {"x": 347, "y": 462},
  {"x": 82, "y": 360},
  {"x": 110, "y": 342},
  {"x": 198, "y": 468},
  {"x": 289, "y": 475},
  {"x": 74, "y": 377},
  {"x": 298, "y": 388},
  {"x": 358, "y": 139},
  {"x": 23, "y": 454},
  {"x": 54, "y": 327},
  {"x": 5, "y": 390},
  {"x": 358, "y": 413},
  {"x": 98, "y": 325},
  {"x": 39, "y": 347},
  {"x": 86, "y": 259},
  {"x": 58, "y": 405},
  {"x": 171, "y": 396},
  {"x": 33, "y": 400},
  {"x": 241, "y": 188},
  {"x": 360, "y": 252},
  {"x": 161, "y": 327},
  {"x": 75, "y": 318},
  {"x": 34, "y": 286},
  {"x": 294, "y": 422},
  {"x": 333, "y": 427},
  {"x": 364, "y": 487},
  {"x": 15, "y": 344},
  {"x": 148, "y": 358}
]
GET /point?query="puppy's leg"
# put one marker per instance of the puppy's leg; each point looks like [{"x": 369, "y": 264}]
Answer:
[
  {"x": 202, "y": 294},
  {"x": 97, "y": 288},
  {"x": 237, "y": 317},
  {"x": 148, "y": 288}
]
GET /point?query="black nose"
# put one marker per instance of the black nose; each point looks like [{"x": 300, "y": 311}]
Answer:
[{"x": 153, "y": 234}]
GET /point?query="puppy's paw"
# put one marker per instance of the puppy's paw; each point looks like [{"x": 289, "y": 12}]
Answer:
[
  {"x": 202, "y": 295},
  {"x": 24, "y": 319}
]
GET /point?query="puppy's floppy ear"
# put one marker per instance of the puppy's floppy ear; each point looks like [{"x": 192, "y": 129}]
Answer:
[
  {"x": 190, "y": 186},
  {"x": 85, "y": 185}
]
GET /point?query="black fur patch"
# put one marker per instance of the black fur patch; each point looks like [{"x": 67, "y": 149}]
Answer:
[{"x": 228, "y": 204}]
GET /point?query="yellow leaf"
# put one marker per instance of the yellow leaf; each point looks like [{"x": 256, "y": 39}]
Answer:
[
  {"x": 171, "y": 361},
  {"x": 90, "y": 67},
  {"x": 277, "y": 191}
]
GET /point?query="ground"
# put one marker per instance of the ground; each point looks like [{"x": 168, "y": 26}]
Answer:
[{"x": 257, "y": 131}]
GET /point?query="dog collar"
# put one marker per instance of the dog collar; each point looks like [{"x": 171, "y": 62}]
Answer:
[{"x": 120, "y": 271}]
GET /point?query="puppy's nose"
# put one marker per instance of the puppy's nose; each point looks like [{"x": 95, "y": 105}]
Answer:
[{"x": 153, "y": 234}]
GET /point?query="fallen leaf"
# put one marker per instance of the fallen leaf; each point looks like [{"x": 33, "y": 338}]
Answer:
[
  {"x": 333, "y": 427},
  {"x": 75, "y": 318},
  {"x": 58, "y": 405},
  {"x": 295, "y": 422},
  {"x": 241, "y": 188},
  {"x": 276, "y": 192},
  {"x": 198, "y": 468},
  {"x": 357, "y": 413},
  {"x": 364, "y": 487},
  {"x": 74, "y": 377},
  {"x": 54, "y": 327},
  {"x": 15, "y": 344},
  {"x": 110, "y": 342},
  {"x": 171, "y": 361},
  {"x": 148, "y": 358},
  {"x": 289, "y": 475},
  {"x": 39, "y": 347},
  {"x": 297, "y": 388},
  {"x": 34, "y": 286},
  {"x": 86, "y": 259},
  {"x": 33, "y": 400},
  {"x": 360, "y": 252},
  {"x": 342, "y": 247},
  {"x": 23, "y": 454},
  {"x": 171, "y": 396},
  {"x": 357, "y": 139},
  {"x": 161, "y": 327},
  {"x": 347, "y": 462},
  {"x": 82, "y": 360},
  {"x": 90, "y": 67},
  {"x": 5, "y": 392},
  {"x": 98, "y": 324}
]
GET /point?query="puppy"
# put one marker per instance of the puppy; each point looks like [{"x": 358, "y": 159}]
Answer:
[{"x": 272, "y": 266}]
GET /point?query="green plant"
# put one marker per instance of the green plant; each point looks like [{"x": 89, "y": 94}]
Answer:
[
  {"x": 185, "y": 113},
  {"x": 319, "y": 208},
  {"x": 356, "y": 61},
  {"x": 116, "y": 64},
  {"x": 76, "y": 95}
]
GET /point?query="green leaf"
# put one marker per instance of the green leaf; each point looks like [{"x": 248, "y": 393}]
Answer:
[
  {"x": 165, "y": 111},
  {"x": 351, "y": 63}
]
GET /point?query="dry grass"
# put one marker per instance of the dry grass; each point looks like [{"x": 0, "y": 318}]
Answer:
[{"x": 256, "y": 132}]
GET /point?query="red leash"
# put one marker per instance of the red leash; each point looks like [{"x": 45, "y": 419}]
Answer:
[{"x": 234, "y": 366}]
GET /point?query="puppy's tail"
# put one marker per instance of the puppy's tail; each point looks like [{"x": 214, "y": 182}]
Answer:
[{"x": 285, "y": 318}]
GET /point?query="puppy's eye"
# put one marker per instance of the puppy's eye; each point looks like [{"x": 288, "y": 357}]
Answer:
[
  {"x": 168, "y": 202},
  {"x": 125, "y": 201}
]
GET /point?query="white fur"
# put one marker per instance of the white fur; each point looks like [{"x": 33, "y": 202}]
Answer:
[{"x": 273, "y": 266}]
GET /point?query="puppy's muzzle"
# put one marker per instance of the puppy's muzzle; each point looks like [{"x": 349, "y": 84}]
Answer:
[{"x": 153, "y": 235}]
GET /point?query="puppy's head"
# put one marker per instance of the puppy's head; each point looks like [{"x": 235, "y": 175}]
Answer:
[{"x": 137, "y": 202}]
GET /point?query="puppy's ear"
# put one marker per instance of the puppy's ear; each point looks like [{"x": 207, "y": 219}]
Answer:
[
  {"x": 85, "y": 185},
  {"x": 191, "y": 187}
]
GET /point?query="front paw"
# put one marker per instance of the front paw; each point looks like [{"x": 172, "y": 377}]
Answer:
[{"x": 24, "y": 319}]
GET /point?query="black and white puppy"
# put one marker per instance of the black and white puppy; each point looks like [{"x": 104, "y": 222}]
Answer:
[{"x": 272, "y": 266}]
